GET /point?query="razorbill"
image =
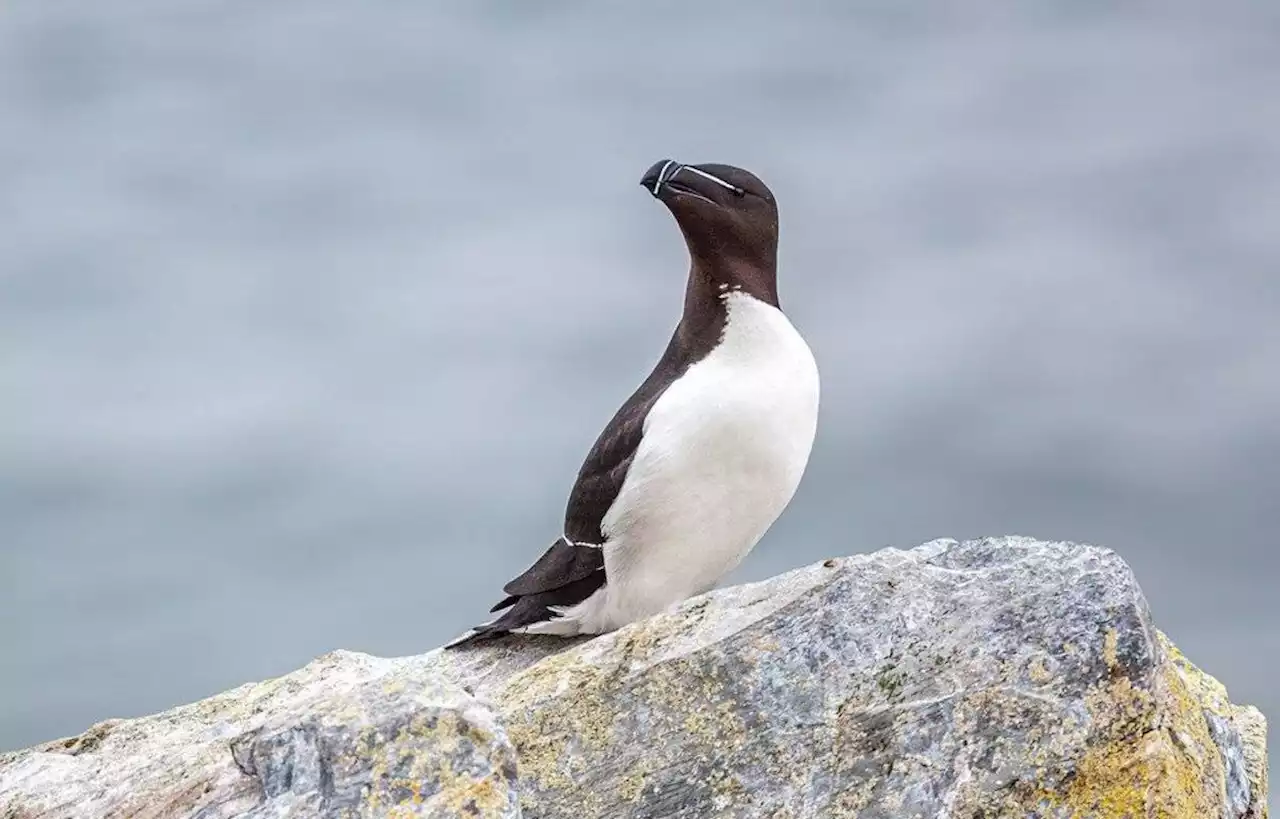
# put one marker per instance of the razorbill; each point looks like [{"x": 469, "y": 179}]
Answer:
[{"x": 701, "y": 460}]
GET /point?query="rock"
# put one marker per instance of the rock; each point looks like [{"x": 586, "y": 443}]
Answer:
[
  {"x": 994, "y": 678},
  {"x": 347, "y": 735}
]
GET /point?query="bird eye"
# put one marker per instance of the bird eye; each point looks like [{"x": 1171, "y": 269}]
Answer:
[{"x": 738, "y": 192}]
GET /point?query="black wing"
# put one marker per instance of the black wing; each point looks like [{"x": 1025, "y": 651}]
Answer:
[
  {"x": 573, "y": 568},
  {"x": 563, "y": 563},
  {"x": 602, "y": 473}
]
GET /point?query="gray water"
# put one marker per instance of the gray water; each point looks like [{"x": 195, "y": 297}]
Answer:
[{"x": 311, "y": 309}]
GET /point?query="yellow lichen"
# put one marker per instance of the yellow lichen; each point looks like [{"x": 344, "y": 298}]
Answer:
[
  {"x": 551, "y": 706},
  {"x": 416, "y": 751},
  {"x": 632, "y": 786},
  {"x": 463, "y": 795},
  {"x": 1211, "y": 695},
  {"x": 727, "y": 789},
  {"x": 1110, "y": 644},
  {"x": 1152, "y": 755},
  {"x": 561, "y": 712},
  {"x": 1039, "y": 671}
]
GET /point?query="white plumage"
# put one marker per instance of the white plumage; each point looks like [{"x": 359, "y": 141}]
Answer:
[{"x": 722, "y": 454}]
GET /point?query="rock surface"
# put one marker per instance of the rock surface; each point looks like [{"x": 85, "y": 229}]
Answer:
[
  {"x": 348, "y": 735},
  {"x": 1003, "y": 677}
]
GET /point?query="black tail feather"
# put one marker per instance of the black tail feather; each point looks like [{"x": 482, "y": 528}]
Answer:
[
  {"x": 478, "y": 636},
  {"x": 502, "y": 604},
  {"x": 527, "y": 610}
]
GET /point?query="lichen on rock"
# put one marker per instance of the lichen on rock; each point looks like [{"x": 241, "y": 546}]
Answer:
[
  {"x": 348, "y": 735},
  {"x": 1002, "y": 677}
]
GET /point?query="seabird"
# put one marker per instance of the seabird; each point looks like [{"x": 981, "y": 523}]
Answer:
[{"x": 702, "y": 459}]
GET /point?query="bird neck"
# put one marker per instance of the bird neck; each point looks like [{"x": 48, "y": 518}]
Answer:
[{"x": 708, "y": 286}]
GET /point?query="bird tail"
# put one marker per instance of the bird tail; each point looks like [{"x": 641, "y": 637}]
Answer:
[
  {"x": 477, "y": 636},
  {"x": 533, "y": 613}
]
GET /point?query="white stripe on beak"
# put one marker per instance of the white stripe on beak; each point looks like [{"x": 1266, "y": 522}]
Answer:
[
  {"x": 706, "y": 175},
  {"x": 662, "y": 175}
]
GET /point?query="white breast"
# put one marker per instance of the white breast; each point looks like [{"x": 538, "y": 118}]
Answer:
[{"x": 723, "y": 452}]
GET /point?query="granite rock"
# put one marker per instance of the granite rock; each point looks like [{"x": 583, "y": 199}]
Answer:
[{"x": 1002, "y": 677}]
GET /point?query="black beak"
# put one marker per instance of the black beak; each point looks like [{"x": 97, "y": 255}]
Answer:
[
  {"x": 657, "y": 176},
  {"x": 662, "y": 176}
]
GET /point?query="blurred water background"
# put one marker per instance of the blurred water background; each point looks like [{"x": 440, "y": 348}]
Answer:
[{"x": 309, "y": 310}]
